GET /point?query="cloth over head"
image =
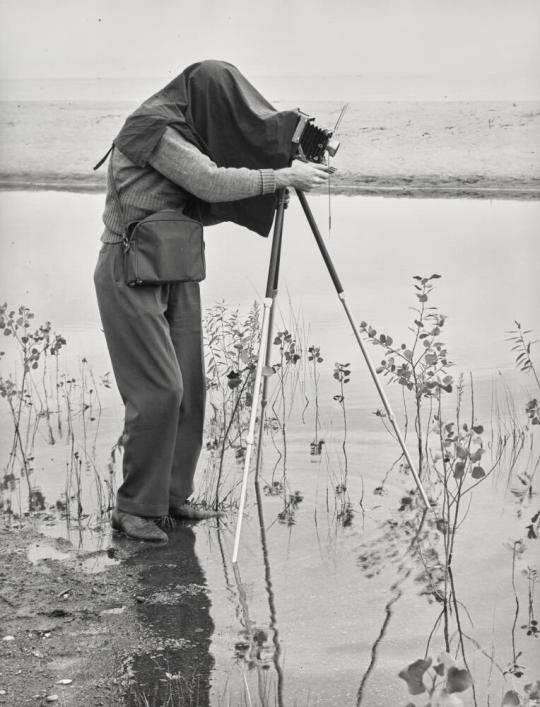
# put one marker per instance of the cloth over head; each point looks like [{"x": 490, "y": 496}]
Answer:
[{"x": 212, "y": 105}]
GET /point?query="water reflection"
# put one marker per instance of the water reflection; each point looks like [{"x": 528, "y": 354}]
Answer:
[
  {"x": 174, "y": 664},
  {"x": 404, "y": 550},
  {"x": 254, "y": 649}
]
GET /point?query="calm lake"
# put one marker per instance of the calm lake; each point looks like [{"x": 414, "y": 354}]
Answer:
[{"x": 321, "y": 611}]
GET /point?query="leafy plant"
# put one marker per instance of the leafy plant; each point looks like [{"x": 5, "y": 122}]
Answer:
[
  {"x": 522, "y": 346},
  {"x": 342, "y": 374},
  {"x": 289, "y": 355},
  {"x": 420, "y": 366},
  {"x": 315, "y": 358},
  {"x": 231, "y": 345},
  {"x": 445, "y": 680},
  {"x": 33, "y": 347}
]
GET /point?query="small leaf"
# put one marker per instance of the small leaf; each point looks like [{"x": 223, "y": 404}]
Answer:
[
  {"x": 461, "y": 452},
  {"x": 458, "y": 680},
  {"x": 533, "y": 690},
  {"x": 511, "y": 699},
  {"x": 268, "y": 371},
  {"x": 439, "y": 668},
  {"x": 413, "y": 675},
  {"x": 478, "y": 429},
  {"x": 476, "y": 456},
  {"x": 459, "y": 470},
  {"x": 478, "y": 472}
]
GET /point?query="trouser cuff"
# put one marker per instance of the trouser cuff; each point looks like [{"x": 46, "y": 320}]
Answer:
[{"x": 144, "y": 510}]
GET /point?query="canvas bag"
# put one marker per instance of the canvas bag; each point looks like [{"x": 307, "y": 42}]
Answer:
[{"x": 165, "y": 247}]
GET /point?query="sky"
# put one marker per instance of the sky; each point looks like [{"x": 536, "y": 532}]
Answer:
[{"x": 151, "y": 38}]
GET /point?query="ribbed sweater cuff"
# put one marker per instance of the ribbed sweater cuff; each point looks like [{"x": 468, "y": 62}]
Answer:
[{"x": 268, "y": 181}]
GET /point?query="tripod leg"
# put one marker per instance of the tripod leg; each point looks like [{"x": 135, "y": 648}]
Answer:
[
  {"x": 253, "y": 418},
  {"x": 264, "y": 395},
  {"x": 341, "y": 295},
  {"x": 271, "y": 289}
]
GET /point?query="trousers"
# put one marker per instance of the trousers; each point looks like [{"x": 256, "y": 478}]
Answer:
[{"x": 154, "y": 338}]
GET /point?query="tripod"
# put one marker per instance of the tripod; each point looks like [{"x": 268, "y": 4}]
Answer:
[{"x": 265, "y": 351}]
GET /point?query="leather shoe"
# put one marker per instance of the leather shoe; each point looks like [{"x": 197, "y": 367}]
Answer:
[
  {"x": 137, "y": 527},
  {"x": 186, "y": 511}
]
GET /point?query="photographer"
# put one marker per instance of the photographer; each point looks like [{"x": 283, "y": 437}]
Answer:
[{"x": 210, "y": 144}]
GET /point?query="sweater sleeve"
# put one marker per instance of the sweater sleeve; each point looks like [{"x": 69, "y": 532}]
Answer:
[{"x": 185, "y": 165}]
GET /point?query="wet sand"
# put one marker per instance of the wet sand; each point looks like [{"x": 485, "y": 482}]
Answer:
[{"x": 473, "y": 149}]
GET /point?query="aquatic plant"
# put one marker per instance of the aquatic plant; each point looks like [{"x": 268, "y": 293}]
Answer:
[
  {"x": 446, "y": 678},
  {"x": 342, "y": 374},
  {"x": 420, "y": 366},
  {"x": 522, "y": 346},
  {"x": 455, "y": 456},
  {"x": 40, "y": 395},
  {"x": 315, "y": 358},
  {"x": 288, "y": 358},
  {"x": 231, "y": 345},
  {"x": 27, "y": 399}
]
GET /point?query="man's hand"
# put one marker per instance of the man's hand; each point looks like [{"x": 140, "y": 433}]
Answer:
[{"x": 302, "y": 175}]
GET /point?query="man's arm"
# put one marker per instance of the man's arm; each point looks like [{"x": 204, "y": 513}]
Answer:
[{"x": 185, "y": 165}]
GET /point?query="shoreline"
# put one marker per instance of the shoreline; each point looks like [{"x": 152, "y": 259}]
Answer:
[{"x": 407, "y": 186}]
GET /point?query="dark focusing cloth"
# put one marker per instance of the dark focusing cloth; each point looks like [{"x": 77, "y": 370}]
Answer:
[{"x": 212, "y": 105}]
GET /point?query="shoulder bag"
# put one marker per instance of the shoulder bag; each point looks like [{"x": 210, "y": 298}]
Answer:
[{"x": 163, "y": 248}]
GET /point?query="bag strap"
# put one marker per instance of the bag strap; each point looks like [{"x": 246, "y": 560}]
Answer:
[
  {"x": 112, "y": 184},
  {"x": 102, "y": 160}
]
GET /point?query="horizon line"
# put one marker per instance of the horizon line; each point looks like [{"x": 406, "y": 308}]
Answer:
[{"x": 534, "y": 76}]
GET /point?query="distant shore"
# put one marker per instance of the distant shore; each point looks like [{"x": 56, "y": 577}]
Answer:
[
  {"x": 410, "y": 186},
  {"x": 464, "y": 149}
]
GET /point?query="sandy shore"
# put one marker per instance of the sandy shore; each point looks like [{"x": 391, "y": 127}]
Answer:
[
  {"x": 411, "y": 186},
  {"x": 422, "y": 149}
]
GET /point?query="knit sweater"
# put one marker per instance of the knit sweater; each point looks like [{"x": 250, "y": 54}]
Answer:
[{"x": 177, "y": 170}]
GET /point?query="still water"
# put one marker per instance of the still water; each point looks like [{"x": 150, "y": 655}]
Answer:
[
  {"x": 487, "y": 253},
  {"x": 321, "y": 612}
]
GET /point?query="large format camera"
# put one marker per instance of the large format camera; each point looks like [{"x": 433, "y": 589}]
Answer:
[{"x": 313, "y": 142}]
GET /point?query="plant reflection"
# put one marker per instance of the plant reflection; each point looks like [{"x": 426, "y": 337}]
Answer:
[{"x": 254, "y": 648}]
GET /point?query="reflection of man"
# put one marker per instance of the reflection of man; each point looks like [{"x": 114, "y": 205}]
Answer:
[
  {"x": 210, "y": 144},
  {"x": 176, "y": 612}
]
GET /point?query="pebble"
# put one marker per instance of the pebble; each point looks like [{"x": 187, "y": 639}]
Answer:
[
  {"x": 64, "y": 681},
  {"x": 52, "y": 698},
  {"x": 8, "y": 638},
  {"x": 115, "y": 610}
]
